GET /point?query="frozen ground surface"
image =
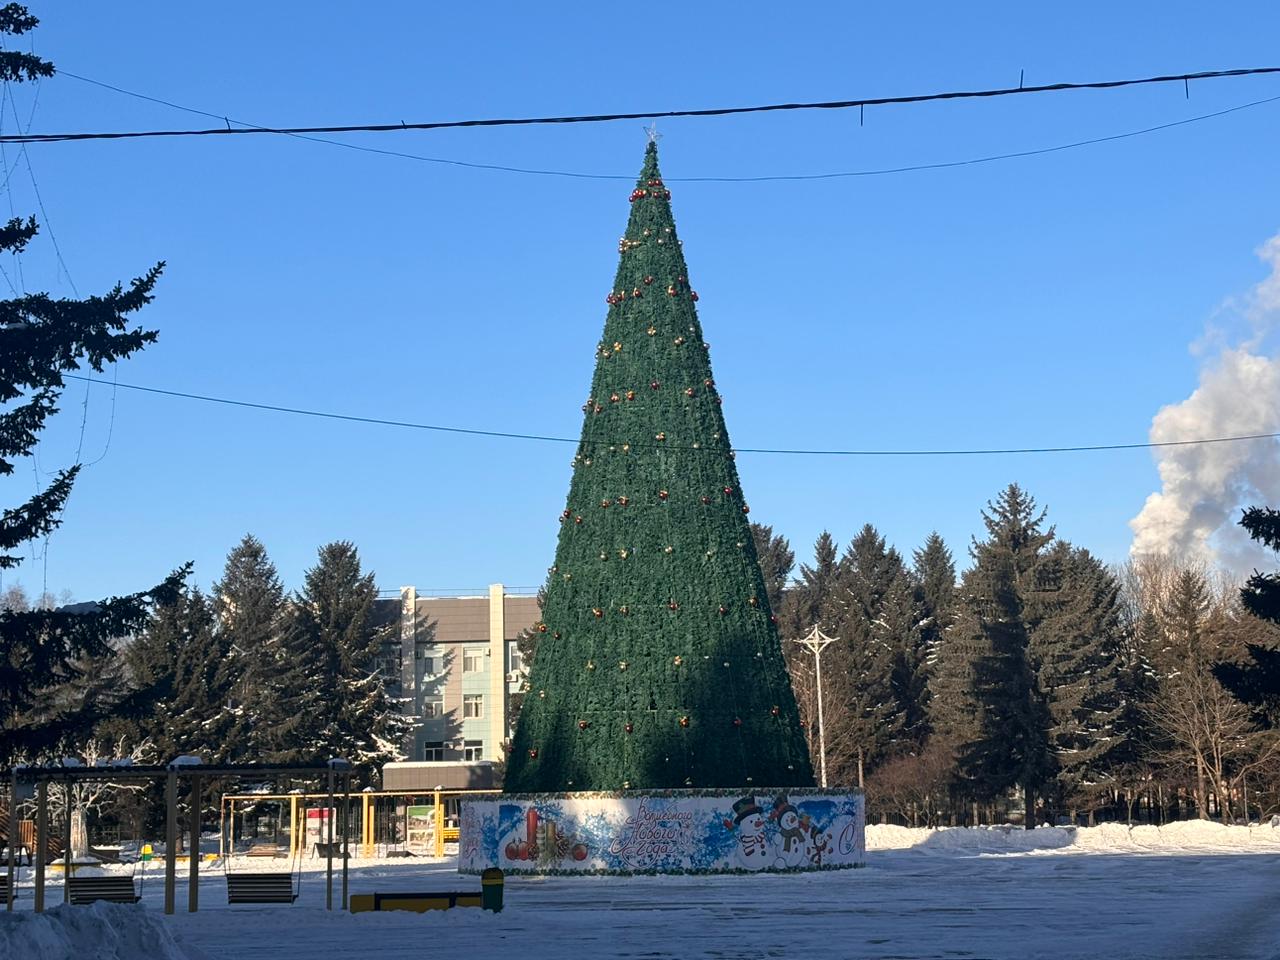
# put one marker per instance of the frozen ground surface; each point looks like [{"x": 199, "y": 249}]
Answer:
[{"x": 1192, "y": 890}]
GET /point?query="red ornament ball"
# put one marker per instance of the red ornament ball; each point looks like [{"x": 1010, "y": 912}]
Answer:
[
  {"x": 533, "y": 753},
  {"x": 579, "y": 851},
  {"x": 512, "y": 851},
  {"x": 582, "y": 724},
  {"x": 628, "y": 727},
  {"x": 684, "y": 721},
  {"x": 705, "y": 499},
  {"x": 737, "y": 721},
  {"x": 654, "y": 384},
  {"x": 775, "y": 710}
]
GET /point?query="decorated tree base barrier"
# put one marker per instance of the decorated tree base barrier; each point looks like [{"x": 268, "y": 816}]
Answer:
[{"x": 664, "y": 831}]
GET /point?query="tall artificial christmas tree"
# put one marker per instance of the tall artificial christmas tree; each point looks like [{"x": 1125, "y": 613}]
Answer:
[{"x": 659, "y": 663}]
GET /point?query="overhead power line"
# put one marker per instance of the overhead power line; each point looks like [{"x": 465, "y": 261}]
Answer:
[
  {"x": 603, "y": 442},
  {"x": 873, "y": 172},
  {"x": 228, "y": 130}
]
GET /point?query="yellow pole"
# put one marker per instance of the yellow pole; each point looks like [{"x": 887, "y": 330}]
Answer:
[
  {"x": 293, "y": 824},
  {"x": 366, "y": 831},
  {"x": 439, "y": 826},
  {"x": 222, "y": 827}
]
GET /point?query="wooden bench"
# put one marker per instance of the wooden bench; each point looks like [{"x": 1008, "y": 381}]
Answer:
[
  {"x": 260, "y": 888},
  {"x": 488, "y": 897},
  {"x": 112, "y": 889},
  {"x": 418, "y": 902},
  {"x": 264, "y": 850}
]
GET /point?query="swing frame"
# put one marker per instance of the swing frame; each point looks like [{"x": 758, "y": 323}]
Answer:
[{"x": 337, "y": 772}]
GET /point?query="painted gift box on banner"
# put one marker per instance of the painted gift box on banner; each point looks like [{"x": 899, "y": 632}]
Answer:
[{"x": 671, "y": 831}]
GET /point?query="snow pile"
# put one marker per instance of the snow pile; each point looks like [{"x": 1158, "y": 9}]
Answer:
[
  {"x": 101, "y": 931},
  {"x": 1185, "y": 836}
]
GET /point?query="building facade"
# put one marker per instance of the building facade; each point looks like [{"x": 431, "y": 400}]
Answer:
[{"x": 458, "y": 665}]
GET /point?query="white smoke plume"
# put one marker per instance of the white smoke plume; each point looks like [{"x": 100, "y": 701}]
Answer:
[{"x": 1203, "y": 487}]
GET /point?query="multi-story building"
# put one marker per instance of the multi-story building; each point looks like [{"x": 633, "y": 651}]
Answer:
[{"x": 458, "y": 664}]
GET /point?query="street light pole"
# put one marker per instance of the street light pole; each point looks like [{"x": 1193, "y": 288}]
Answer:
[{"x": 816, "y": 642}]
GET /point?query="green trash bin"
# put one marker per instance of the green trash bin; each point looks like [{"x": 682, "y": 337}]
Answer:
[{"x": 491, "y": 882}]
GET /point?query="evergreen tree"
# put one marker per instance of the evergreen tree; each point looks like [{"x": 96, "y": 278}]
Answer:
[
  {"x": 901, "y": 623},
  {"x": 1137, "y": 682},
  {"x": 199, "y": 690},
  {"x": 176, "y": 658},
  {"x": 41, "y": 340},
  {"x": 1012, "y": 747},
  {"x": 857, "y": 613},
  {"x": 527, "y": 647},
  {"x": 1256, "y": 680},
  {"x": 954, "y": 708},
  {"x": 1014, "y": 522},
  {"x": 249, "y": 609},
  {"x": 970, "y": 695},
  {"x": 333, "y": 699},
  {"x": 660, "y": 664},
  {"x": 935, "y": 572},
  {"x": 805, "y": 601},
  {"x": 1183, "y": 615},
  {"x": 777, "y": 560},
  {"x": 1075, "y": 645}
]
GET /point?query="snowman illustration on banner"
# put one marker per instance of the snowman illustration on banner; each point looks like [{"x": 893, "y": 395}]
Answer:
[
  {"x": 748, "y": 823},
  {"x": 794, "y": 831}
]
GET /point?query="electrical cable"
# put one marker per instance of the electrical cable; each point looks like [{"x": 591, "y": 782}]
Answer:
[
  {"x": 502, "y": 168},
  {"x": 544, "y": 438},
  {"x": 1184, "y": 78}
]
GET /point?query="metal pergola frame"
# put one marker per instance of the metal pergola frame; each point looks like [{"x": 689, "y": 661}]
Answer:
[{"x": 338, "y": 773}]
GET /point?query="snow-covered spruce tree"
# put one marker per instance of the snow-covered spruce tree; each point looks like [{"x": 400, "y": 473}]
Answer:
[
  {"x": 809, "y": 595},
  {"x": 801, "y": 611},
  {"x": 777, "y": 560},
  {"x": 43, "y": 651},
  {"x": 332, "y": 701},
  {"x": 989, "y": 635},
  {"x": 869, "y": 720},
  {"x": 176, "y": 657},
  {"x": 248, "y": 605},
  {"x": 1012, "y": 745},
  {"x": 1256, "y": 681},
  {"x": 1074, "y": 619},
  {"x": 659, "y": 664}
]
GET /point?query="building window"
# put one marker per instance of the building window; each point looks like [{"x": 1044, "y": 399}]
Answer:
[
  {"x": 472, "y": 706},
  {"x": 517, "y": 661},
  {"x": 433, "y": 750},
  {"x": 472, "y": 659},
  {"x": 428, "y": 666},
  {"x": 472, "y": 749},
  {"x": 432, "y": 707}
]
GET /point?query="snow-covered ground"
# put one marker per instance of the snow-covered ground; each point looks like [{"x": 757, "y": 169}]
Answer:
[{"x": 1189, "y": 890}]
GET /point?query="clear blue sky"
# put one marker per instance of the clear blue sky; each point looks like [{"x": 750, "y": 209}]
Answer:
[{"x": 1049, "y": 300}]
